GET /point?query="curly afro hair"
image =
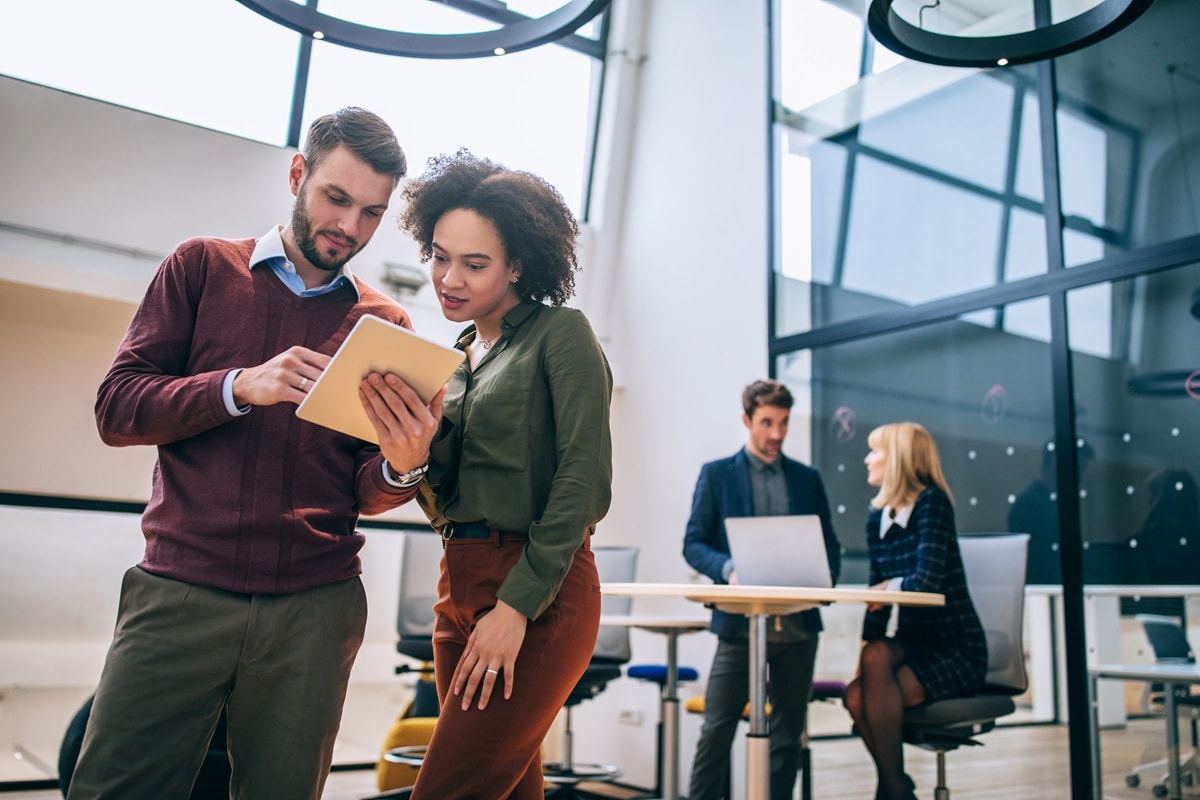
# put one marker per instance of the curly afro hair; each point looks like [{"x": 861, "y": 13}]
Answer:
[{"x": 535, "y": 225}]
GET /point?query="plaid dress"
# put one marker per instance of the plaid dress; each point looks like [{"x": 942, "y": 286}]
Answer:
[{"x": 944, "y": 646}]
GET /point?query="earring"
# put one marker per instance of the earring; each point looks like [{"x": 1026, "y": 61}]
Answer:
[{"x": 513, "y": 279}]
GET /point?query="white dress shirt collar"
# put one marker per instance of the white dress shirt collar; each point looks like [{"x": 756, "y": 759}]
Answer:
[
  {"x": 270, "y": 246},
  {"x": 894, "y": 516}
]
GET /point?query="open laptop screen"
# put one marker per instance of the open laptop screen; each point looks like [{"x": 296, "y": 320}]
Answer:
[{"x": 779, "y": 551}]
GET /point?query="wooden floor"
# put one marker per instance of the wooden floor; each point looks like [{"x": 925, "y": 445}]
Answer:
[{"x": 1026, "y": 762}]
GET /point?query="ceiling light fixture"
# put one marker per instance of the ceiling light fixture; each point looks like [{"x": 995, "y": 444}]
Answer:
[
  {"x": 1043, "y": 41},
  {"x": 516, "y": 32}
]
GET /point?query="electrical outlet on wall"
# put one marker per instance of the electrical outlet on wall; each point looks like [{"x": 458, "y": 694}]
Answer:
[{"x": 630, "y": 716}]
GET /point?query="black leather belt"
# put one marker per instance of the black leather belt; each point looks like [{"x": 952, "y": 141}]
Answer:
[{"x": 467, "y": 530}]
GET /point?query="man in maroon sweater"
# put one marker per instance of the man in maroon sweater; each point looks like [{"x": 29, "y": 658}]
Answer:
[{"x": 248, "y": 598}]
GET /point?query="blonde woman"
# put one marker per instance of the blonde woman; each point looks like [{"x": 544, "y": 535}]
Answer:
[{"x": 937, "y": 652}]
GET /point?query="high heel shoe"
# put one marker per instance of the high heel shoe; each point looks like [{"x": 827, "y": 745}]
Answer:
[{"x": 910, "y": 789}]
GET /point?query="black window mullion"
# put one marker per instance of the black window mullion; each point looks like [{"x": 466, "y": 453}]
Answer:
[{"x": 300, "y": 88}]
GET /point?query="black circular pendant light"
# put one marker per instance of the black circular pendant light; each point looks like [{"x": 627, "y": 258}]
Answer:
[
  {"x": 516, "y": 34},
  {"x": 1041, "y": 42}
]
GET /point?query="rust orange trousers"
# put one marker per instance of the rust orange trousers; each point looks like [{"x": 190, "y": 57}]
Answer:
[{"x": 495, "y": 753}]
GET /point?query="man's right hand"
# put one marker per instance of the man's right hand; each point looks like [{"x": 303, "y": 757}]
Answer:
[{"x": 286, "y": 378}]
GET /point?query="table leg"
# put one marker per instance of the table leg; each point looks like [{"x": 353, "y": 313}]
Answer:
[
  {"x": 1093, "y": 704},
  {"x": 758, "y": 743},
  {"x": 670, "y": 721},
  {"x": 1174, "y": 792}
]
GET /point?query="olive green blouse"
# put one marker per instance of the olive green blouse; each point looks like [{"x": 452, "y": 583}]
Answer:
[{"x": 525, "y": 445}]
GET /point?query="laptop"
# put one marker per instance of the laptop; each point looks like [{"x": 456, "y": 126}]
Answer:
[{"x": 779, "y": 551}]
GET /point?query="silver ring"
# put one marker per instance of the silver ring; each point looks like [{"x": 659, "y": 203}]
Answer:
[
  {"x": 303, "y": 383},
  {"x": 492, "y": 671}
]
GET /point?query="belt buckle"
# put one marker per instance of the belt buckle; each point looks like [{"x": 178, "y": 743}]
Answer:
[{"x": 466, "y": 530}]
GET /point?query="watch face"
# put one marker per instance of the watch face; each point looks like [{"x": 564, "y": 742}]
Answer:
[{"x": 413, "y": 476}]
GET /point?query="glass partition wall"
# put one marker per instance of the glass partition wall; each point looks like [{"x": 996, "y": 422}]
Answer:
[{"x": 1011, "y": 258}]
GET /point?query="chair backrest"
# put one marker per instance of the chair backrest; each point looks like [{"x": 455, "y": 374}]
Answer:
[
  {"x": 614, "y": 565},
  {"x": 421, "y": 555},
  {"x": 995, "y": 568},
  {"x": 1167, "y": 638}
]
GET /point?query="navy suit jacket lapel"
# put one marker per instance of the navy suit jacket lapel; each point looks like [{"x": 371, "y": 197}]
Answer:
[{"x": 742, "y": 504}]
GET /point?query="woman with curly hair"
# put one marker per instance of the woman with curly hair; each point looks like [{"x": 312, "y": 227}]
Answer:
[
  {"x": 936, "y": 652},
  {"x": 519, "y": 474}
]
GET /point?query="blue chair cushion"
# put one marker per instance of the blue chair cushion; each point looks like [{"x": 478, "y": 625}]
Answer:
[{"x": 657, "y": 673}]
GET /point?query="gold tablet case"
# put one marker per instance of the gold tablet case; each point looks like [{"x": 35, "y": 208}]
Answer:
[{"x": 375, "y": 345}]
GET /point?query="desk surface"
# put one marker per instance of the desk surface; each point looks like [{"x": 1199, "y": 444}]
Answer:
[
  {"x": 1120, "y": 590},
  {"x": 768, "y": 597},
  {"x": 1166, "y": 673}
]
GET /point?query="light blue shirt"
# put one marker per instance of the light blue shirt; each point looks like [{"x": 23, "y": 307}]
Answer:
[{"x": 269, "y": 250}]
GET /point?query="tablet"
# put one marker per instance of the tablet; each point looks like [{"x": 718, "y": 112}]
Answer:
[{"x": 375, "y": 345}]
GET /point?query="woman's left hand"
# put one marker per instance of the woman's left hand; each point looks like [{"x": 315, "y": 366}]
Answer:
[
  {"x": 404, "y": 424},
  {"x": 491, "y": 653},
  {"x": 882, "y": 586}
]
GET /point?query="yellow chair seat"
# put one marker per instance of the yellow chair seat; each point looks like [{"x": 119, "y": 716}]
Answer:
[
  {"x": 695, "y": 705},
  {"x": 406, "y": 731}
]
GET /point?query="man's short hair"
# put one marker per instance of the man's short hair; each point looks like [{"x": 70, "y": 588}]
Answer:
[
  {"x": 364, "y": 133},
  {"x": 765, "y": 393}
]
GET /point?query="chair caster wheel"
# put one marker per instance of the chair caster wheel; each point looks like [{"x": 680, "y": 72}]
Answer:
[
  {"x": 1132, "y": 781},
  {"x": 1159, "y": 790}
]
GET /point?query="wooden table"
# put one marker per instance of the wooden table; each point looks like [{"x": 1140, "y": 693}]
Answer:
[
  {"x": 757, "y": 603},
  {"x": 672, "y": 628},
  {"x": 1170, "y": 676}
]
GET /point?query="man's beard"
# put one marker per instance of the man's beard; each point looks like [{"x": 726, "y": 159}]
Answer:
[{"x": 305, "y": 240}]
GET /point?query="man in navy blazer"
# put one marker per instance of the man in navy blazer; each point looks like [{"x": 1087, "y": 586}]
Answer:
[{"x": 758, "y": 480}]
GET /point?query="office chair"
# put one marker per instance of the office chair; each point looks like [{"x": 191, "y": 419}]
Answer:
[
  {"x": 419, "y": 569},
  {"x": 995, "y": 570},
  {"x": 614, "y": 564},
  {"x": 658, "y": 674},
  {"x": 1170, "y": 645},
  {"x": 212, "y": 782}
]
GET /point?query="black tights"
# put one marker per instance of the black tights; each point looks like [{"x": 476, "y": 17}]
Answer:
[{"x": 876, "y": 701}]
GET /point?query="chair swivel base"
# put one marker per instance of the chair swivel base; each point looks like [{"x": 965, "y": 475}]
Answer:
[
  {"x": 413, "y": 755},
  {"x": 1189, "y": 775},
  {"x": 570, "y": 774},
  {"x": 566, "y": 780}
]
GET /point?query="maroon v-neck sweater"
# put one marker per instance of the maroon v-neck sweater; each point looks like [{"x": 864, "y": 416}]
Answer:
[{"x": 258, "y": 503}]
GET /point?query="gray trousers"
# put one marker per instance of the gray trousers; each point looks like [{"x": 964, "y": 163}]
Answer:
[
  {"x": 790, "y": 675},
  {"x": 278, "y": 664}
]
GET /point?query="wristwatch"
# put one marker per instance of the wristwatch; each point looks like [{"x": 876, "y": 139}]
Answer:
[{"x": 411, "y": 477}]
